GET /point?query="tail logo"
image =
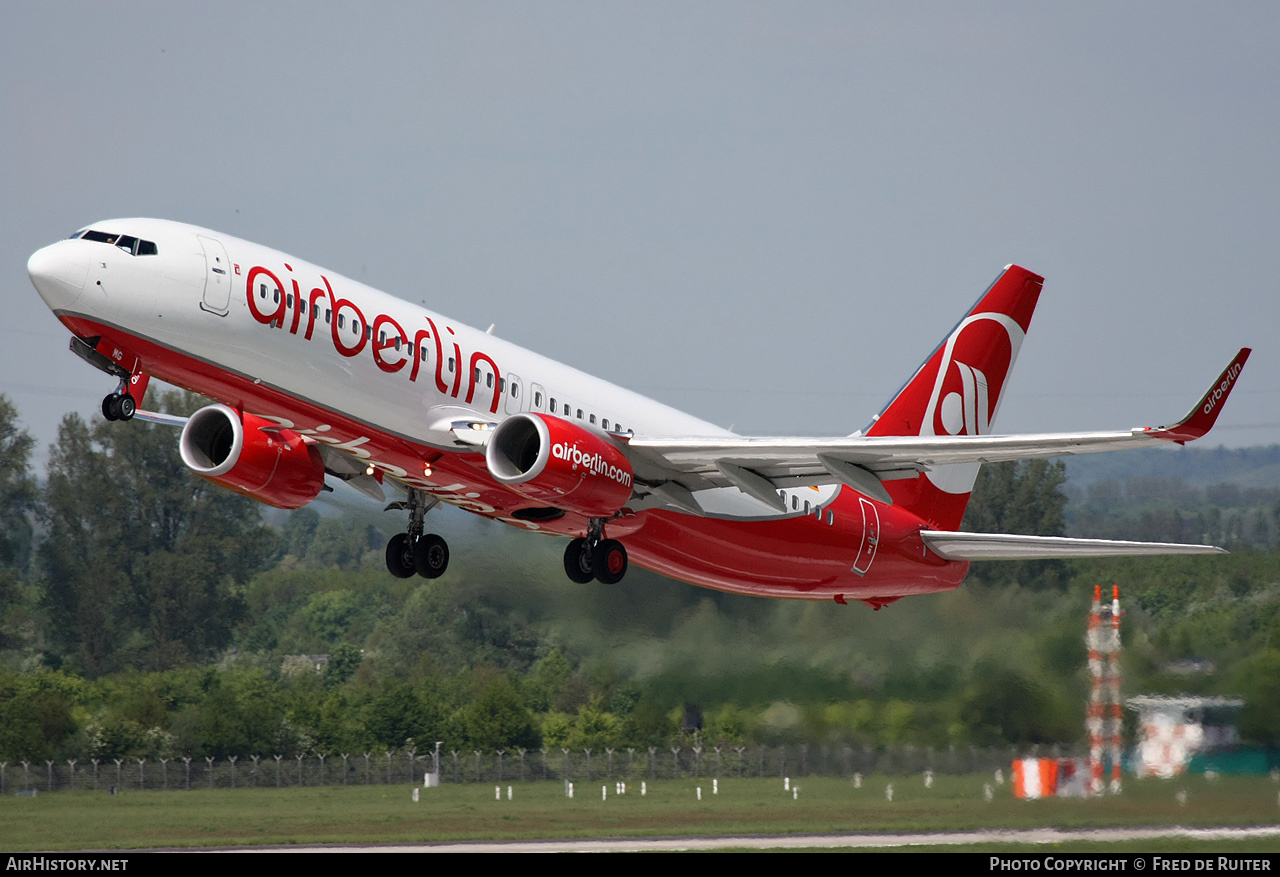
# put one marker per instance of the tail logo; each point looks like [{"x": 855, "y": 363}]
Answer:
[{"x": 975, "y": 365}]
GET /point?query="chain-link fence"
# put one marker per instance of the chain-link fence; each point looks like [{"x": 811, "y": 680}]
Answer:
[{"x": 507, "y": 765}]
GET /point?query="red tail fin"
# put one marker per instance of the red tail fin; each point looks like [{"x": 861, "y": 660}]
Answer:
[{"x": 958, "y": 391}]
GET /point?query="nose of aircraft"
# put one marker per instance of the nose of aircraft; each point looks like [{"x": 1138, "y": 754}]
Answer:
[{"x": 57, "y": 275}]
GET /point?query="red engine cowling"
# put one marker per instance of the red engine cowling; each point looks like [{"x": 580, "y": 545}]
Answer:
[
  {"x": 558, "y": 463},
  {"x": 252, "y": 456}
]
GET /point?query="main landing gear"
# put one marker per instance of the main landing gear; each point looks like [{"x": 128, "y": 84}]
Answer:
[
  {"x": 414, "y": 551},
  {"x": 595, "y": 557},
  {"x": 119, "y": 405}
]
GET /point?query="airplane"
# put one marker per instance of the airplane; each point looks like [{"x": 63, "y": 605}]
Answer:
[{"x": 317, "y": 376}]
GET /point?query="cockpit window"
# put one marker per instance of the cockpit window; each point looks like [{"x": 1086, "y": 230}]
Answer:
[{"x": 131, "y": 245}]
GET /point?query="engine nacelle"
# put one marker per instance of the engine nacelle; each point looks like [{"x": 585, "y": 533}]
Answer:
[
  {"x": 558, "y": 463},
  {"x": 252, "y": 456}
]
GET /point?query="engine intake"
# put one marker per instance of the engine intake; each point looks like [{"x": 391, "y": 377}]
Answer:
[
  {"x": 558, "y": 463},
  {"x": 252, "y": 456}
]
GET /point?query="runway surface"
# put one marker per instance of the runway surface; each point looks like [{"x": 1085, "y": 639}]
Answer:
[{"x": 823, "y": 841}]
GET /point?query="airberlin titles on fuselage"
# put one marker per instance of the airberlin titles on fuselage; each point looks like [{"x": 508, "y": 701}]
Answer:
[{"x": 388, "y": 341}]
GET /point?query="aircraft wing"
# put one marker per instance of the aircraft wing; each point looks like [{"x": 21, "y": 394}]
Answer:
[{"x": 759, "y": 466}]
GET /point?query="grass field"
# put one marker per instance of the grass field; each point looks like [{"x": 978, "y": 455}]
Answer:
[{"x": 387, "y": 814}]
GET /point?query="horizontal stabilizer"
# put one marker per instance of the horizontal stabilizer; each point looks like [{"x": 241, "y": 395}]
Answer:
[{"x": 1007, "y": 546}]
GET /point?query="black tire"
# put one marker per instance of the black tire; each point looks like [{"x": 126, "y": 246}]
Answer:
[
  {"x": 609, "y": 561},
  {"x": 109, "y": 407},
  {"x": 127, "y": 407},
  {"x": 577, "y": 562},
  {"x": 431, "y": 556},
  {"x": 400, "y": 556}
]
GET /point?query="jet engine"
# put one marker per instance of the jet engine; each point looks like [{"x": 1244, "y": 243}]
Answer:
[
  {"x": 252, "y": 456},
  {"x": 555, "y": 462}
]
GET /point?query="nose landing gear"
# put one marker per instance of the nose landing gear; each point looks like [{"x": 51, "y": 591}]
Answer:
[
  {"x": 414, "y": 551},
  {"x": 595, "y": 557}
]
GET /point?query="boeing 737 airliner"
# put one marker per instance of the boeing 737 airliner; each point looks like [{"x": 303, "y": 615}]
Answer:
[{"x": 317, "y": 376}]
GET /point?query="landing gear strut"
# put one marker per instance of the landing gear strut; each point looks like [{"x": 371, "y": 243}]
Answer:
[
  {"x": 595, "y": 557},
  {"x": 414, "y": 551}
]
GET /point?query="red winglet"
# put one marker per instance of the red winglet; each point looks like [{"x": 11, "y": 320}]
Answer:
[{"x": 1204, "y": 415}]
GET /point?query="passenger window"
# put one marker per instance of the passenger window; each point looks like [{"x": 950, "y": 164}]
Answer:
[
  {"x": 451, "y": 363},
  {"x": 515, "y": 391},
  {"x": 831, "y": 517},
  {"x": 553, "y": 406},
  {"x": 302, "y": 305},
  {"x": 275, "y": 296},
  {"x": 288, "y": 300},
  {"x": 397, "y": 343},
  {"x": 579, "y": 413},
  {"x": 593, "y": 419},
  {"x": 262, "y": 290},
  {"x": 328, "y": 316},
  {"x": 502, "y": 386},
  {"x": 795, "y": 502},
  {"x": 537, "y": 400},
  {"x": 342, "y": 321},
  {"x": 605, "y": 423},
  {"x": 424, "y": 353}
]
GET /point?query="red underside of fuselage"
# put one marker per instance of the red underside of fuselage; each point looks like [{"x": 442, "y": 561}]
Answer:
[{"x": 798, "y": 557}]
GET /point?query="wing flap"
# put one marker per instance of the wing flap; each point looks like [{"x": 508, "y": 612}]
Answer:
[{"x": 1007, "y": 546}]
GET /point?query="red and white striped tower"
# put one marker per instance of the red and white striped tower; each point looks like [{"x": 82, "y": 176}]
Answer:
[
  {"x": 1094, "y": 713},
  {"x": 1113, "y": 674}
]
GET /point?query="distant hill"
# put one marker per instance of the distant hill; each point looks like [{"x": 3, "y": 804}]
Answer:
[{"x": 1245, "y": 467}]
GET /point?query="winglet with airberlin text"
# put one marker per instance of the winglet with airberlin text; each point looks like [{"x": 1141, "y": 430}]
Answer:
[{"x": 1204, "y": 415}]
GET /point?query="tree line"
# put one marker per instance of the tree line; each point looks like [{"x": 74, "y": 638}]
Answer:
[{"x": 150, "y": 614}]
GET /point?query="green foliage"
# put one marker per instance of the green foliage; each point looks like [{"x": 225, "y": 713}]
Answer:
[
  {"x": 36, "y": 712},
  {"x": 1259, "y": 683},
  {"x": 148, "y": 574},
  {"x": 17, "y": 489},
  {"x": 1019, "y": 497},
  {"x": 142, "y": 559},
  {"x": 496, "y": 718}
]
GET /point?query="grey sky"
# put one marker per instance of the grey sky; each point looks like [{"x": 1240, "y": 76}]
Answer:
[{"x": 763, "y": 213}]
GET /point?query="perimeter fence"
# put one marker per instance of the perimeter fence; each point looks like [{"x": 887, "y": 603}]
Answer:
[{"x": 506, "y": 765}]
